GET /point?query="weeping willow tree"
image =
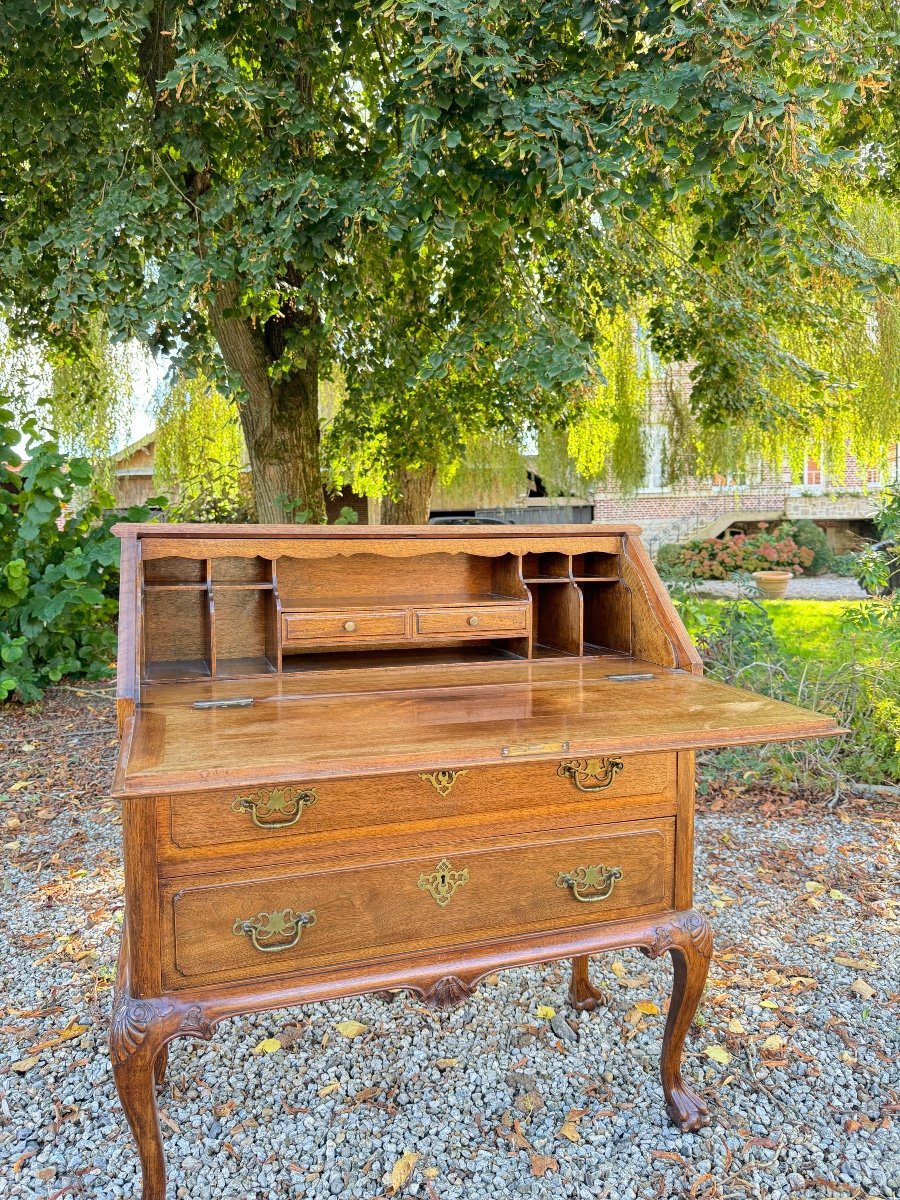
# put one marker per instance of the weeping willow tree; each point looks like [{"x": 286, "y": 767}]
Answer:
[
  {"x": 200, "y": 452},
  {"x": 88, "y": 397}
]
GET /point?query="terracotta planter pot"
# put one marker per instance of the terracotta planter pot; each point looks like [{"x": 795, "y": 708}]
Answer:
[{"x": 773, "y": 584}]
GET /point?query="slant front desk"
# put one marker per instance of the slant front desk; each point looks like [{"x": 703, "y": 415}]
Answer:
[{"x": 358, "y": 759}]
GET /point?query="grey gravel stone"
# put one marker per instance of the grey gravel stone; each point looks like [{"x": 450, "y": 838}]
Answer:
[{"x": 239, "y": 1126}]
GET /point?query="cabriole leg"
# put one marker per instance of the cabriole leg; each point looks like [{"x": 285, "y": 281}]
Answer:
[
  {"x": 688, "y": 938},
  {"x": 583, "y": 996},
  {"x": 136, "y": 1040},
  {"x": 139, "y": 1033},
  {"x": 159, "y": 1066}
]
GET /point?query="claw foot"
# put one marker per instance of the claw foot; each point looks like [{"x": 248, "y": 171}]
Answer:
[{"x": 686, "y": 1109}]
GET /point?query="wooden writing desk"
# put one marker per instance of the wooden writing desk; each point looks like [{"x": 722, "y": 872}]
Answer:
[{"x": 360, "y": 759}]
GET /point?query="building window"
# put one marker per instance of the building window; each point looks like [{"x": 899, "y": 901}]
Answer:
[
  {"x": 813, "y": 473},
  {"x": 873, "y": 475}
]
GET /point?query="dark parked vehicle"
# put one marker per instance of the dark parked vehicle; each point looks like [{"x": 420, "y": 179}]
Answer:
[
  {"x": 891, "y": 551},
  {"x": 467, "y": 521}
]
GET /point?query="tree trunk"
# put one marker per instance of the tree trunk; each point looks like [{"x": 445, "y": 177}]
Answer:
[
  {"x": 280, "y": 417},
  {"x": 413, "y": 503}
]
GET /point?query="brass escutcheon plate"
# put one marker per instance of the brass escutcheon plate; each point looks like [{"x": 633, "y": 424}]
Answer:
[
  {"x": 442, "y": 781},
  {"x": 443, "y": 882}
]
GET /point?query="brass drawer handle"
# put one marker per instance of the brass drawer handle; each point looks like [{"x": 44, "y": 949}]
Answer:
[
  {"x": 264, "y": 929},
  {"x": 582, "y": 771},
  {"x": 288, "y": 803},
  {"x": 590, "y": 877},
  {"x": 350, "y": 626},
  {"x": 473, "y": 621}
]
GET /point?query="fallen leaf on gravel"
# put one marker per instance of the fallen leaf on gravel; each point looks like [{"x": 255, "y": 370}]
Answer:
[
  {"x": 768, "y": 1004},
  {"x": 820, "y": 939},
  {"x": 530, "y": 1102},
  {"x": 545, "y": 1011},
  {"x": 351, "y": 1029},
  {"x": 364, "y": 1094},
  {"x": 541, "y": 1164},
  {"x": 836, "y": 894},
  {"x": 647, "y": 1007},
  {"x": 734, "y": 1026},
  {"x": 443, "y": 1064},
  {"x": 330, "y": 1088},
  {"x": 569, "y": 1128},
  {"x": 267, "y": 1046},
  {"x": 71, "y": 1031},
  {"x": 431, "y": 1172},
  {"x": 813, "y": 886},
  {"x": 773, "y": 1044},
  {"x": 627, "y": 981},
  {"x": 24, "y": 1064},
  {"x": 518, "y": 1139},
  {"x": 858, "y": 964},
  {"x": 402, "y": 1169},
  {"x": 863, "y": 989},
  {"x": 718, "y": 1054}
]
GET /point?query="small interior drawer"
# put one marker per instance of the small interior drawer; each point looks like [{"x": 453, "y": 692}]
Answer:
[
  {"x": 240, "y": 924},
  {"x": 343, "y": 626},
  {"x": 477, "y": 621}
]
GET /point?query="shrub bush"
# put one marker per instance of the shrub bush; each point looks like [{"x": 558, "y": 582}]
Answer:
[
  {"x": 844, "y": 564},
  {"x": 717, "y": 558},
  {"x": 58, "y": 572},
  {"x": 669, "y": 557},
  {"x": 860, "y": 688},
  {"x": 808, "y": 534}
]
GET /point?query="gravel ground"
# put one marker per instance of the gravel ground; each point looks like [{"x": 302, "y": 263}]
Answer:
[
  {"x": 496, "y": 1099},
  {"x": 804, "y": 587}
]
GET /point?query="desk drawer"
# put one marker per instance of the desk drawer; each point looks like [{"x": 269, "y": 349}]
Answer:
[
  {"x": 241, "y": 926},
  {"x": 350, "y": 626},
  {"x": 288, "y": 814},
  {"x": 477, "y": 621}
]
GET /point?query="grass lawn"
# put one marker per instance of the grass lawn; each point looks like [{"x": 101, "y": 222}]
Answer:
[{"x": 811, "y": 629}]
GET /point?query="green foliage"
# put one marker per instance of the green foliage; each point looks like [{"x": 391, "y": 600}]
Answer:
[
  {"x": 845, "y": 565},
  {"x": 858, "y": 684},
  {"x": 453, "y": 199},
  {"x": 717, "y": 558},
  {"x": 670, "y": 560},
  {"x": 808, "y": 534},
  {"x": 871, "y": 570},
  {"x": 59, "y": 571},
  {"x": 887, "y": 519},
  {"x": 200, "y": 454}
]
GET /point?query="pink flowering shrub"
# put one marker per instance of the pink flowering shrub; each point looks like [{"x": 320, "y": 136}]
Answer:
[{"x": 717, "y": 558}]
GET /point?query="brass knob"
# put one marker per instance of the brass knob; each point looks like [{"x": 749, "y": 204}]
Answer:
[
  {"x": 349, "y": 626},
  {"x": 473, "y": 620}
]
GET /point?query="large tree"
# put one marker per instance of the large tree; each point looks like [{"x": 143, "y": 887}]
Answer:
[{"x": 237, "y": 181}]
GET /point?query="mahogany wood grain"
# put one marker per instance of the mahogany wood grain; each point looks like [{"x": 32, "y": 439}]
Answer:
[
  {"x": 473, "y": 620},
  {"x": 684, "y": 832},
  {"x": 141, "y": 1029},
  {"x": 577, "y": 656},
  {"x": 418, "y": 801},
  {"x": 128, "y": 679},
  {"x": 345, "y": 733},
  {"x": 661, "y": 611},
  {"x": 367, "y": 911},
  {"x": 347, "y": 624}
]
